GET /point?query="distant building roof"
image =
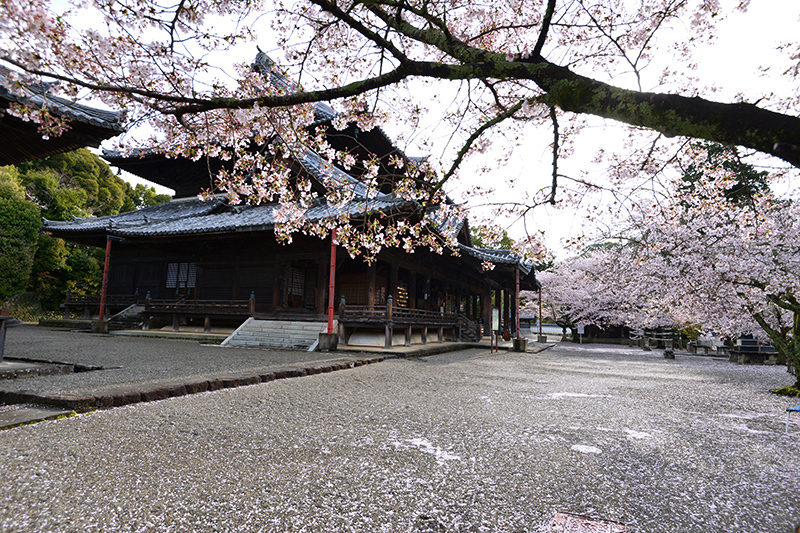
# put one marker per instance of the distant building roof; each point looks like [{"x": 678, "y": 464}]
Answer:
[
  {"x": 21, "y": 141},
  {"x": 498, "y": 257}
]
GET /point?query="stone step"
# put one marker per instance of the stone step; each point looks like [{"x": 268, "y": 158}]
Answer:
[{"x": 276, "y": 334}]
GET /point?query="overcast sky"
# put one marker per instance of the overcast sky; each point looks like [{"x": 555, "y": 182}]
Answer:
[{"x": 744, "y": 43}]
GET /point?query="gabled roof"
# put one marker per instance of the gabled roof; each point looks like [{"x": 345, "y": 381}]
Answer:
[
  {"x": 498, "y": 257},
  {"x": 324, "y": 113},
  {"x": 169, "y": 212},
  {"x": 192, "y": 216},
  {"x": 21, "y": 141}
]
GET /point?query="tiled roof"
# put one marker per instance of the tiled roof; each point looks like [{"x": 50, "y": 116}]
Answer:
[
  {"x": 194, "y": 216},
  {"x": 39, "y": 95},
  {"x": 499, "y": 257},
  {"x": 322, "y": 111},
  {"x": 183, "y": 209},
  {"x": 331, "y": 175},
  {"x": 446, "y": 225},
  {"x": 265, "y": 65}
]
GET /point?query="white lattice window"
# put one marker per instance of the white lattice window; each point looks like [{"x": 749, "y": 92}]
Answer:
[{"x": 181, "y": 275}]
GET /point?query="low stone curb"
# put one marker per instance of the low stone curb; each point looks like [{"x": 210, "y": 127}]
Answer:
[
  {"x": 116, "y": 398},
  {"x": 33, "y": 371}
]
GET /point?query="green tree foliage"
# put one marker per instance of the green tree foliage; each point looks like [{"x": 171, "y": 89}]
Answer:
[
  {"x": 495, "y": 238},
  {"x": 723, "y": 160},
  {"x": 10, "y": 183},
  {"x": 74, "y": 184},
  {"x": 76, "y": 180},
  {"x": 143, "y": 196},
  {"x": 19, "y": 228}
]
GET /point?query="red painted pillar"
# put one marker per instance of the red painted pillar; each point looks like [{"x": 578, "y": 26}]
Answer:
[
  {"x": 516, "y": 302},
  {"x": 104, "y": 290},
  {"x": 332, "y": 281}
]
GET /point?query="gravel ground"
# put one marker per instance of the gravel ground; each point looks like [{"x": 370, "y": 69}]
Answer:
[
  {"x": 467, "y": 441},
  {"x": 139, "y": 361}
]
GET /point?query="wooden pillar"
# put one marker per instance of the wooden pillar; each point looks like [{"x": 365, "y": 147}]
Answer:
[
  {"x": 104, "y": 289},
  {"x": 389, "y": 324},
  {"x": 506, "y": 309},
  {"x": 487, "y": 310},
  {"x": 332, "y": 281},
  {"x": 371, "y": 272},
  {"x": 427, "y": 295},
  {"x": 276, "y": 286},
  {"x": 393, "y": 275},
  {"x": 322, "y": 284},
  {"x": 412, "y": 290}
]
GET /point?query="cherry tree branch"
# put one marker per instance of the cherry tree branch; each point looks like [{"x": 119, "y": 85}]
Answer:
[{"x": 554, "y": 119}]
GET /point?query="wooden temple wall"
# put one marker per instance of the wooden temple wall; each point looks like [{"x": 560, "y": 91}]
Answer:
[{"x": 294, "y": 278}]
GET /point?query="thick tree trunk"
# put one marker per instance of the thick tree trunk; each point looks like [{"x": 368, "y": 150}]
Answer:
[{"x": 787, "y": 345}]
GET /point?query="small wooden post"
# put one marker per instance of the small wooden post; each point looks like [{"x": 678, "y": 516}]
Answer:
[
  {"x": 207, "y": 324},
  {"x": 424, "y": 335},
  {"x": 146, "y": 321},
  {"x": 372, "y": 270},
  {"x": 66, "y": 304},
  {"x": 486, "y": 300},
  {"x": 252, "y": 303},
  {"x": 389, "y": 329},
  {"x": 341, "y": 322}
]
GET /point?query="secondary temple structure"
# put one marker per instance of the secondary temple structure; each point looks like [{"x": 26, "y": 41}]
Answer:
[
  {"x": 21, "y": 140},
  {"x": 206, "y": 261}
]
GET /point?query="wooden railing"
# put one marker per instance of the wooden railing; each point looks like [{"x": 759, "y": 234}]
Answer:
[
  {"x": 189, "y": 308},
  {"x": 401, "y": 316},
  {"x": 391, "y": 317},
  {"x": 92, "y": 301}
]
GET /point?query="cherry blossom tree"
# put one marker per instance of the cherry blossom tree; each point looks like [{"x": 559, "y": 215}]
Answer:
[
  {"x": 593, "y": 289},
  {"x": 508, "y": 63},
  {"x": 700, "y": 255}
]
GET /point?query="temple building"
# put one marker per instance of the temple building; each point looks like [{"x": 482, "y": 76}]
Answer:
[{"x": 193, "y": 261}]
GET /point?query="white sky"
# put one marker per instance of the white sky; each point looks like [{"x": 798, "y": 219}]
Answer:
[{"x": 744, "y": 42}]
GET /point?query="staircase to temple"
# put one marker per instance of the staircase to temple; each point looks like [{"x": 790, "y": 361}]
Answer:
[
  {"x": 277, "y": 334},
  {"x": 470, "y": 330},
  {"x": 129, "y": 318}
]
